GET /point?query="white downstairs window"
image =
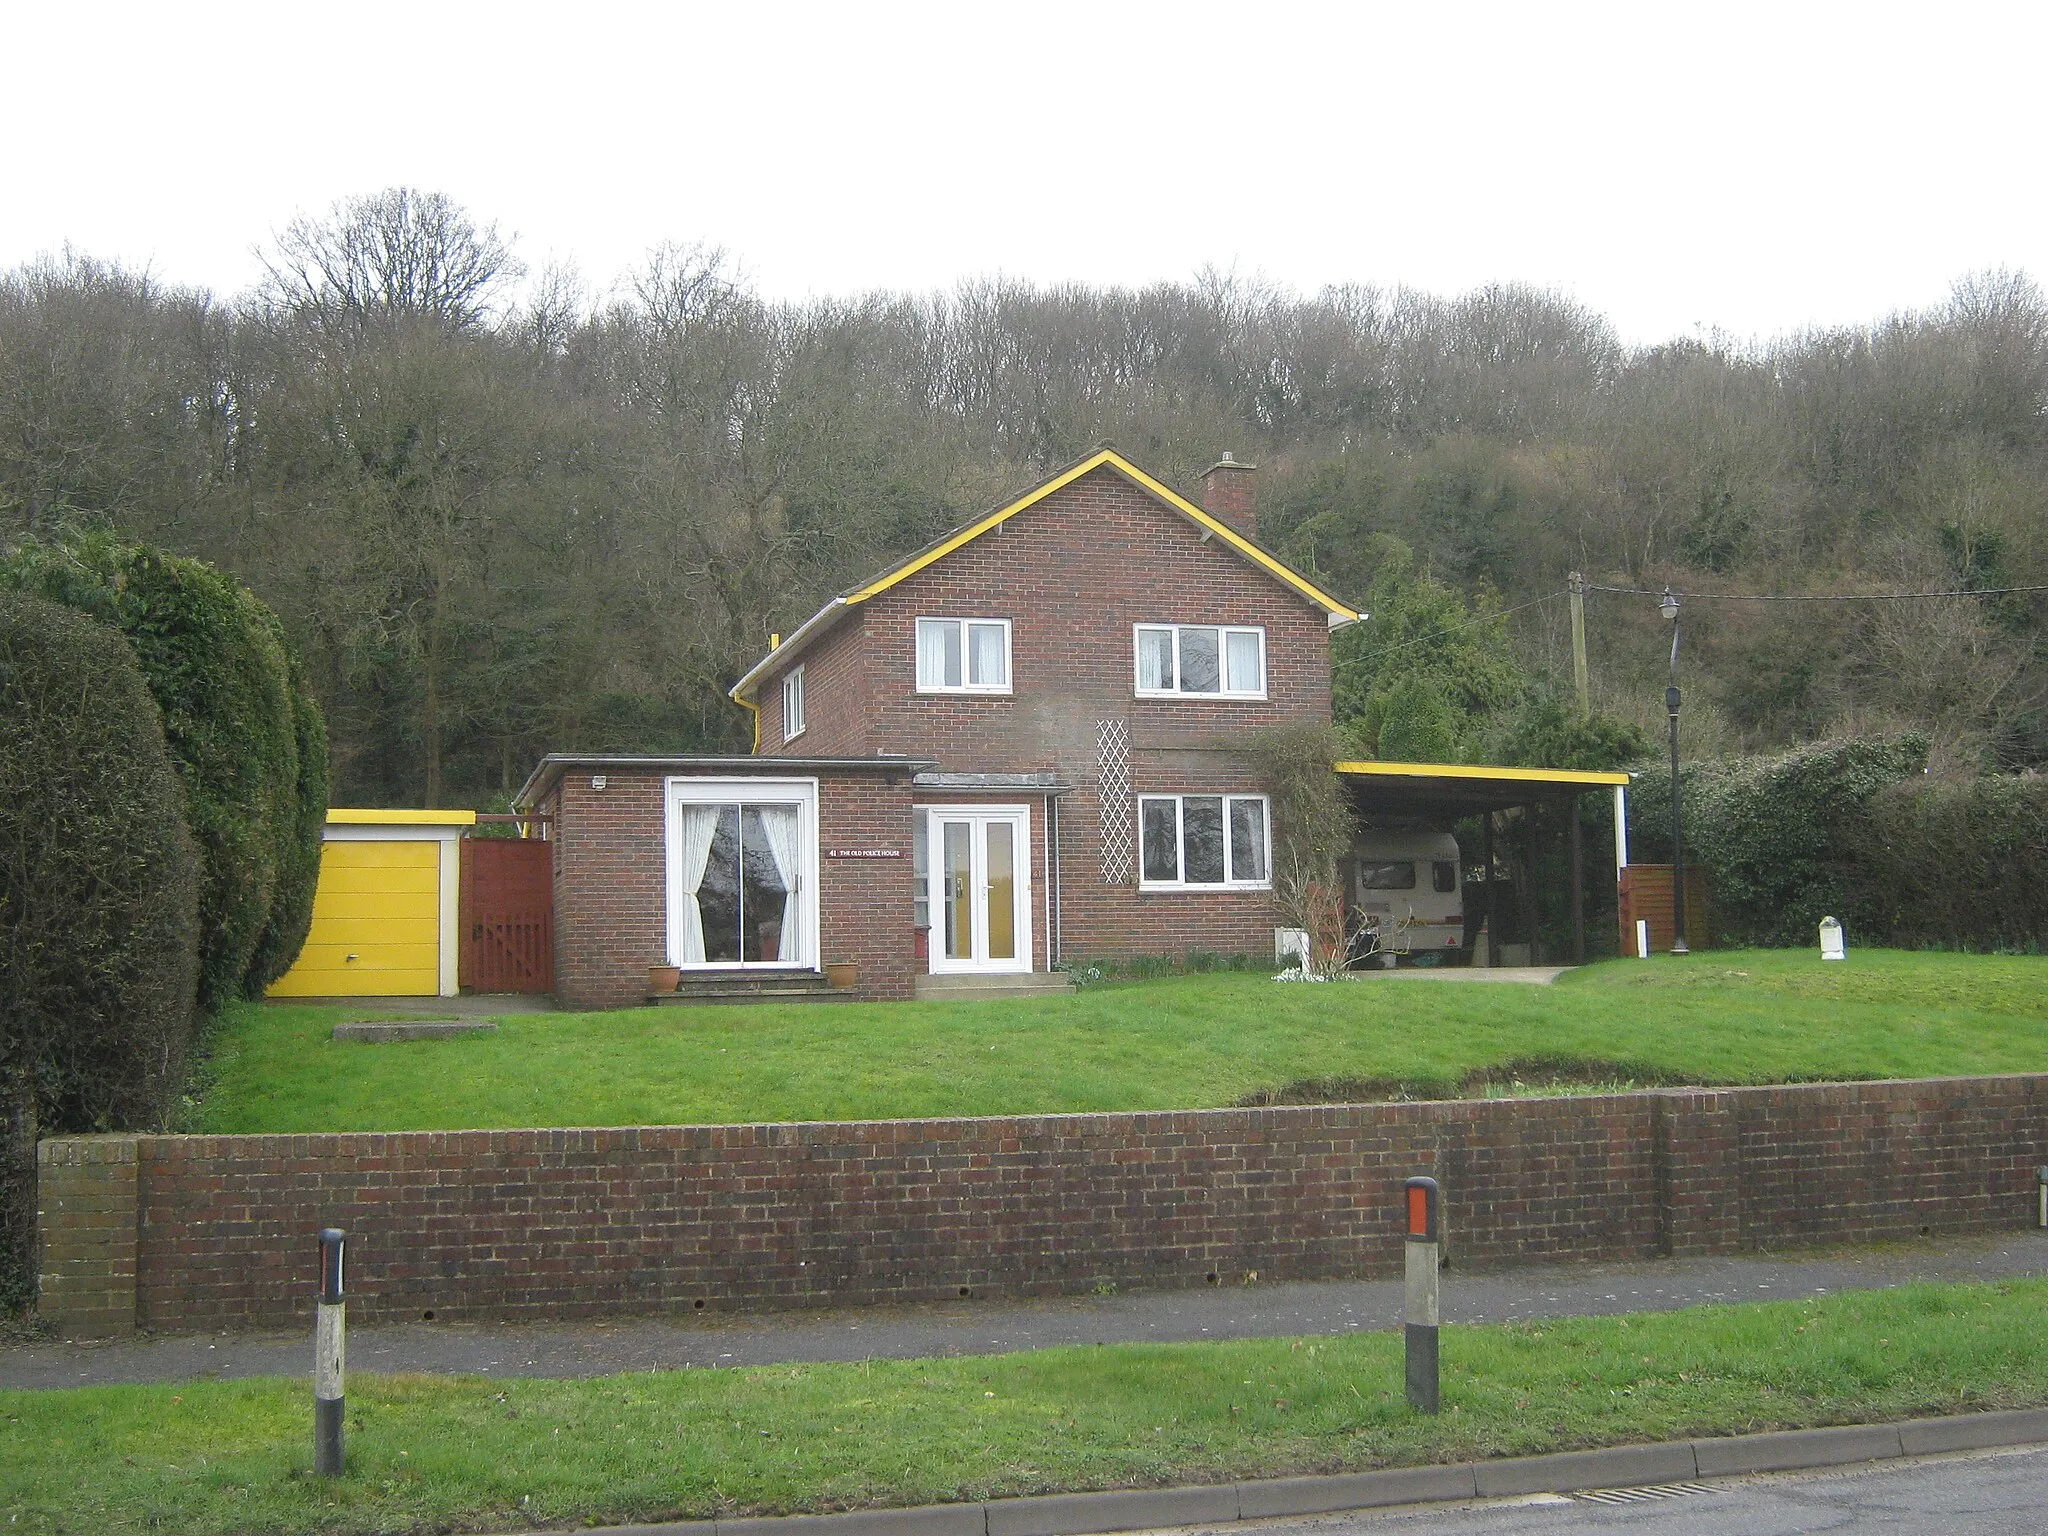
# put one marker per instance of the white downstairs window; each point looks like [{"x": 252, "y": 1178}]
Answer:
[
  {"x": 963, "y": 655},
  {"x": 1215, "y": 661},
  {"x": 793, "y": 705},
  {"x": 1192, "y": 842}
]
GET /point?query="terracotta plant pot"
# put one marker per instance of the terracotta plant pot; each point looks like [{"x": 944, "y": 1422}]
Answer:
[
  {"x": 664, "y": 978},
  {"x": 842, "y": 976}
]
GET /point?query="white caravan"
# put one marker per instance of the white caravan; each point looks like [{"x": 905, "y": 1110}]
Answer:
[{"x": 1406, "y": 897}]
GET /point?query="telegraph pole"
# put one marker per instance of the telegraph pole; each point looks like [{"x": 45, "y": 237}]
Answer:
[{"x": 1577, "y": 583}]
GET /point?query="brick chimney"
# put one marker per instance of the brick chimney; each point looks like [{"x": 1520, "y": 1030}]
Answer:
[{"x": 1227, "y": 495}]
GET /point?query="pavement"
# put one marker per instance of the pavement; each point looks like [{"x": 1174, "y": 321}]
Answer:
[
  {"x": 2000, "y": 1492},
  {"x": 995, "y": 1326}
]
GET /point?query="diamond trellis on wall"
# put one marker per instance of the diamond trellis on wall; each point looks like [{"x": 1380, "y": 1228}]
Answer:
[{"x": 1113, "y": 781}]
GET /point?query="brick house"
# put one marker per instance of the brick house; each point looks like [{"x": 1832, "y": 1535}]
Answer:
[{"x": 1019, "y": 746}]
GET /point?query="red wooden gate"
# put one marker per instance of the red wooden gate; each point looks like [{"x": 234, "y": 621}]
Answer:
[{"x": 507, "y": 915}]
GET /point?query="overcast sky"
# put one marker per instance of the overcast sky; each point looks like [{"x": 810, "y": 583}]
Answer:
[{"x": 1753, "y": 168}]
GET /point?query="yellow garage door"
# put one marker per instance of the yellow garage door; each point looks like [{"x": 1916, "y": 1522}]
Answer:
[{"x": 376, "y": 924}]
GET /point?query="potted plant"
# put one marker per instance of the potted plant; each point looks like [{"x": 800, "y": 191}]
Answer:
[
  {"x": 842, "y": 975},
  {"x": 664, "y": 978}
]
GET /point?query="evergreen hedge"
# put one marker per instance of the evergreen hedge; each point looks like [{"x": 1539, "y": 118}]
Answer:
[
  {"x": 298, "y": 845},
  {"x": 1959, "y": 865},
  {"x": 1781, "y": 837},
  {"x": 98, "y": 901},
  {"x": 243, "y": 731}
]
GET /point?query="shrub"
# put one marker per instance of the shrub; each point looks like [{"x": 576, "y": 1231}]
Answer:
[
  {"x": 98, "y": 899},
  {"x": 215, "y": 661},
  {"x": 297, "y": 846},
  {"x": 1313, "y": 828},
  {"x": 1960, "y": 865},
  {"x": 1778, "y": 837}
]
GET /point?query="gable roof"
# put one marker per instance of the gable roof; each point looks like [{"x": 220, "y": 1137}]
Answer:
[{"x": 1106, "y": 458}]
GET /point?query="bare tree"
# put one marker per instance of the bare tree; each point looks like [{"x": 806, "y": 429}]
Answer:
[{"x": 395, "y": 254}]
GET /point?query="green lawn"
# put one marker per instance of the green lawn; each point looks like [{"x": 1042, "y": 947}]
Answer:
[
  {"x": 466, "y": 1453},
  {"x": 1196, "y": 1041}
]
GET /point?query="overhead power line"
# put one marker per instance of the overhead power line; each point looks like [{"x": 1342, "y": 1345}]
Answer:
[{"x": 1811, "y": 597}]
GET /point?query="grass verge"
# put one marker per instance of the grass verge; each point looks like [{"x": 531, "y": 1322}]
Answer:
[
  {"x": 439, "y": 1453},
  {"x": 1188, "y": 1042}
]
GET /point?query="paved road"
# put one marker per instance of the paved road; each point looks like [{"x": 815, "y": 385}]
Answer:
[
  {"x": 1988, "y": 1493},
  {"x": 990, "y": 1327}
]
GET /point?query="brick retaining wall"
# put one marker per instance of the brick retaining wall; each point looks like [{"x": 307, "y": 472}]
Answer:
[{"x": 193, "y": 1232}]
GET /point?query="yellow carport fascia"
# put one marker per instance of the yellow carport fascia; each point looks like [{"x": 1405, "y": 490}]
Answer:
[
  {"x": 1464, "y": 771},
  {"x": 361, "y": 818},
  {"x": 1111, "y": 458}
]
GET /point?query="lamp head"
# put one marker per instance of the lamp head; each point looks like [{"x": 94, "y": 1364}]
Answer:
[
  {"x": 1668, "y": 605},
  {"x": 1671, "y": 701}
]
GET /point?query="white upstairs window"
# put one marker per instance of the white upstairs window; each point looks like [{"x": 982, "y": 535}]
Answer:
[
  {"x": 963, "y": 655},
  {"x": 1201, "y": 660},
  {"x": 793, "y": 705}
]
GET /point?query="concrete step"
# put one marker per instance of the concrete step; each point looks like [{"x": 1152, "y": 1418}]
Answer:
[
  {"x": 976, "y": 987},
  {"x": 751, "y": 987}
]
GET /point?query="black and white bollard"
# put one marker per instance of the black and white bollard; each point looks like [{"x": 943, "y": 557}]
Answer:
[
  {"x": 330, "y": 1338},
  {"x": 2044, "y": 1199},
  {"x": 1425, "y": 1248}
]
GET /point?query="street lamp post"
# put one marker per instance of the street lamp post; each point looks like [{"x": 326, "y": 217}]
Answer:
[{"x": 1668, "y": 606}]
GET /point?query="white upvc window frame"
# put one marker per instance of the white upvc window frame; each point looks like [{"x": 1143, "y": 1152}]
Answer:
[
  {"x": 1229, "y": 881},
  {"x": 965, "y": 625},
  {"x": 681, "y": 790},
  {"x": 793, "y": 703},
  {"x": 1223, "y": 634}
]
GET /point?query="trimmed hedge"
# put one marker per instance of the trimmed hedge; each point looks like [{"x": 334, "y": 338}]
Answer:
[
  {"x": 246, "y": 739},
  {"x": 298, "y": 846},
  {"x": 1779, "y": 837},
  {"x": 98, "y": 901},
  {"x": 1959, "y": 865}
]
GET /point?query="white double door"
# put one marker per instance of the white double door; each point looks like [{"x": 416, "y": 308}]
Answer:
[{"x": 980, "y": 887}]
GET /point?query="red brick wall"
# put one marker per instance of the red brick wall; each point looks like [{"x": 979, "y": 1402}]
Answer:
[
  {"x": 611, "y": 881},
  {"x": 553, "y": 1223},
  {"x": 1073, "y": 574},
  {"x": 610, "y": 888}
]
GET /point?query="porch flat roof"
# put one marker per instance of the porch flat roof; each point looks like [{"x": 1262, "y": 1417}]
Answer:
[
  {"x": 1460, "y": 789},
  {"x": 1030, "y": 783},
  {"x": 555, "y": 764}
]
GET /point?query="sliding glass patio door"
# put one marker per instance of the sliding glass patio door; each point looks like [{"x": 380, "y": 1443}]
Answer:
[{"x": 742, "y": 874}]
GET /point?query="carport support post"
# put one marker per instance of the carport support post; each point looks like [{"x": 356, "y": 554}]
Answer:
[
  {"x": 1492, "y": 917},
  {"x": 1525, "y": 888},
  {"x": 1420, "y": 1312},
  {"x": 1578, "y": 886}
]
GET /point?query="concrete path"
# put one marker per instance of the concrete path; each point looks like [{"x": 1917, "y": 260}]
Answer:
[
  {"x": 1528, "y": 975},
  {"x": 993, "y": 1327},
  {"x": 482, "y": 1005}
]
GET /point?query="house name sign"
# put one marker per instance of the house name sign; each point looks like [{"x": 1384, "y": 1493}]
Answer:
[{"x": 863, "y": 853}]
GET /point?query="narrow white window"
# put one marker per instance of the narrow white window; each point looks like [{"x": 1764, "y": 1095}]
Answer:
[
  {"x": 1195, "y": 842},
  {"x": 793, "y": 705},
  {"x": 1201, "y": 661},
  {"x": 963, "y": 655}
]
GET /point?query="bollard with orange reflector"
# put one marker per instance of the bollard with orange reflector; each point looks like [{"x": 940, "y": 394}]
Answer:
[{"x": 1425, "y": 1249}]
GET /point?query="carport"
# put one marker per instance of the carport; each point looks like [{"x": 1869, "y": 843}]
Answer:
[{"x": 1440, "y": 794}]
